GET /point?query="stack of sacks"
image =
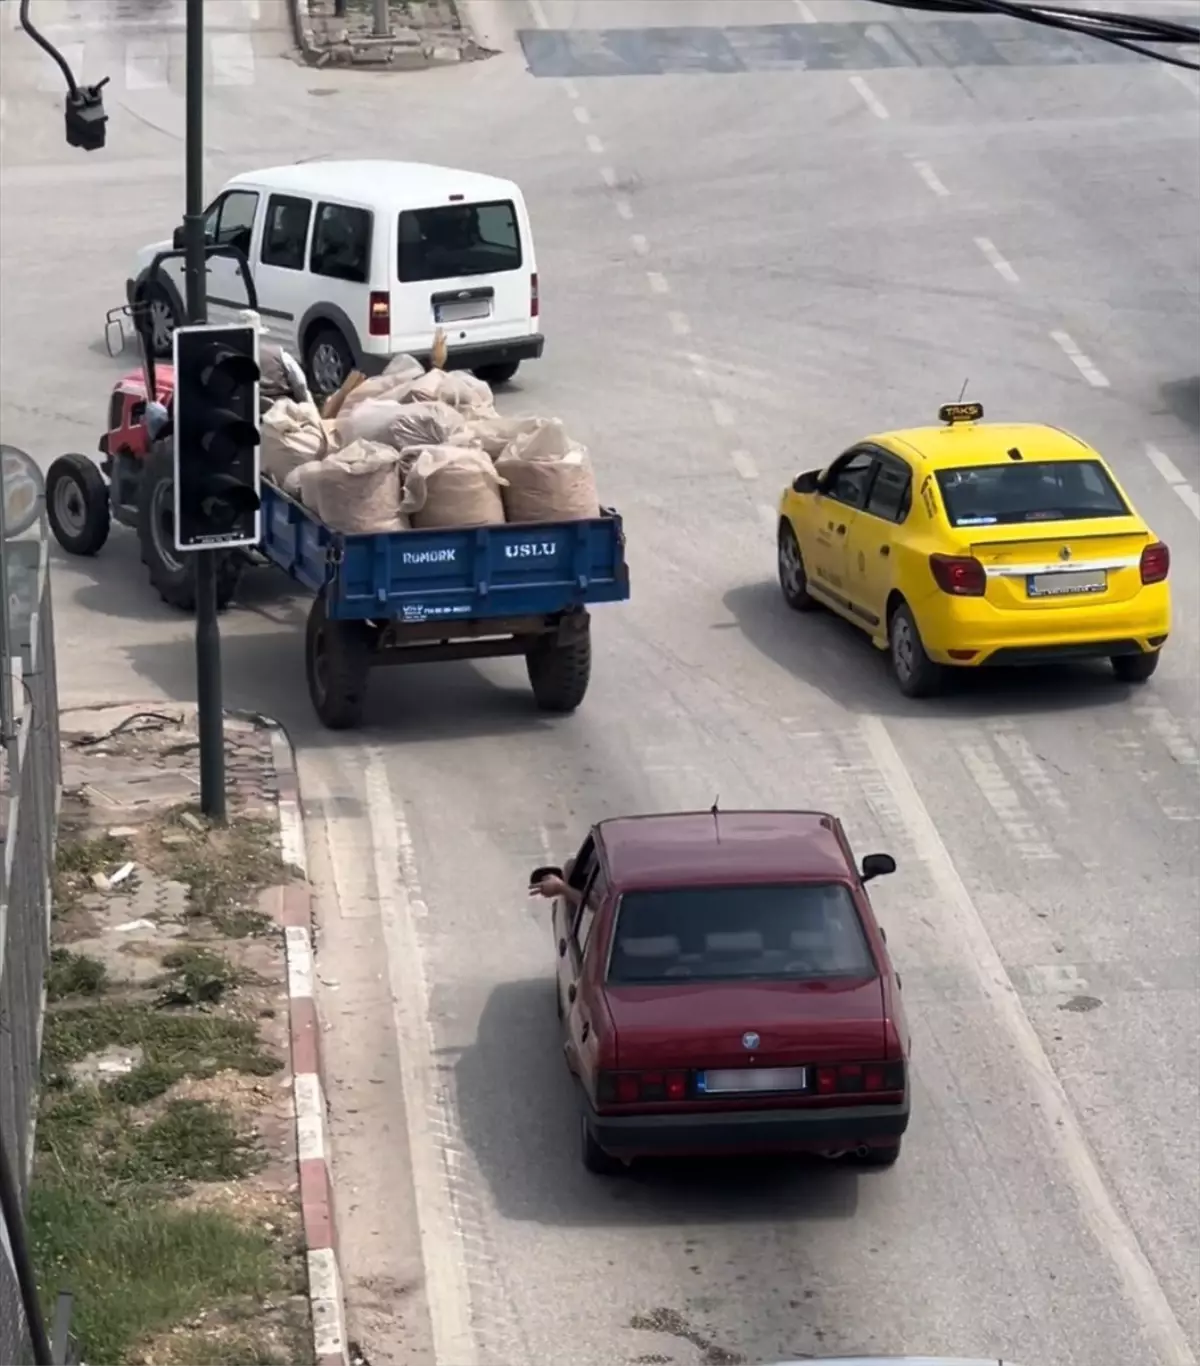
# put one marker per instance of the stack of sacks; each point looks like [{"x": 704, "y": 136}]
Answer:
[
  {"x": 451, "y": 486},
  {"x": 546, "y": 476},
  {"x": 355, "y": 490},
  {"x": 398, "y": 424}
]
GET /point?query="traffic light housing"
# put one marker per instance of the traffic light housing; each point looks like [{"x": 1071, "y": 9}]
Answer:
[{"x": 216, "y": 437}]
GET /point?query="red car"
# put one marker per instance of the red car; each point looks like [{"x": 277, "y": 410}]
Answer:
[{"x": 724, "y": 987}]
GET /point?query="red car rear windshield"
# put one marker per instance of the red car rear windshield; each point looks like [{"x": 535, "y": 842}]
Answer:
[{"x": 786, "y": 932}]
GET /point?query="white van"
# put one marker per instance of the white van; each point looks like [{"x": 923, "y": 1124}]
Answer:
[{"x": 357, "y": 261}]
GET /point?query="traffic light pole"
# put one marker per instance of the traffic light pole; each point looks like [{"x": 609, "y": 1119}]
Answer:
[{"x": 208, "y": 634}]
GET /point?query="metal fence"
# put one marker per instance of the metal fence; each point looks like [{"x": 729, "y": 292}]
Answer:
[{"x": 30, "y": 790}]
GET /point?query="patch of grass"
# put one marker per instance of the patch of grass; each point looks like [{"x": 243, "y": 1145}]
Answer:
[
  {"x": 138, "y": 1266},
  {"x": 197, "y": 976},
  {"x": 192, "y": 1140},
  {"x": 224, "y": 868},
  {"x": 76, "y": 859},
  {"x": 173, "y": 1045},
  {"x": 74, "y": 974}
]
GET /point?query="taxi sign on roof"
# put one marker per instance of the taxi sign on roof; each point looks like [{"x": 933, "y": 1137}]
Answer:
[{"x": 960, "y": 412}]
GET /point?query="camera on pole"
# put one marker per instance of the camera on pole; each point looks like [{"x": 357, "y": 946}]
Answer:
[{"x": 217, "y": 437}]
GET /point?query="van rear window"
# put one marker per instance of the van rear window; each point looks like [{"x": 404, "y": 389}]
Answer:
[
  {"x": 1029, "y": 491},
  {"x": 454, "y": 240}
]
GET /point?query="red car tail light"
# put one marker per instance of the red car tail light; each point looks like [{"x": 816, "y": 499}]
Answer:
[
  {"x": 850, "y": 1078},
  {"x": 636, "y": 1088},
  {"x": 379, "y": 313},
  {"x": 534, "y": 301},
  {"x": 962, "y": 576},
  {"x": 1155, "y": 563}
]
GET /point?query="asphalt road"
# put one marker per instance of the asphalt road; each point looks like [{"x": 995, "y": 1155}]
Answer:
[{"x": 754, "y": 247}]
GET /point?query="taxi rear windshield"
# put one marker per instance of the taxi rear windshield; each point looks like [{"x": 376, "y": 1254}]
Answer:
[
  {"x": 787, "y": 932},
  {"x": 1029, "y": 491},
  {"x": 454, "y": 240}
]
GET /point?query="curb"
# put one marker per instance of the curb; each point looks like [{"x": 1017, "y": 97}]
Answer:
[{"x": 294, "y": 912}]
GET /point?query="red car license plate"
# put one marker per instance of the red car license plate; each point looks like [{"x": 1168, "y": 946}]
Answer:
[{"x": 734, "y": 1080}]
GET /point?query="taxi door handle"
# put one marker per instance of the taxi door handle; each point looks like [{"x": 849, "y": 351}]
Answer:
[{"x": 885, "y": 549}]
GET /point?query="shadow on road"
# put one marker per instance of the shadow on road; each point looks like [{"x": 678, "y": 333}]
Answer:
[
  {"x": 839, "y": 660},
  {"x": 516, "y": 1102}
]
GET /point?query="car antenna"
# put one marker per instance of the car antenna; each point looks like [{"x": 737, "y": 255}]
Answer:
[
  {"x": 963, "y": 390},
  {"x": 715, "y": 815}
]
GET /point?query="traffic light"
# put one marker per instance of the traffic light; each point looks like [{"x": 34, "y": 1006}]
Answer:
[{"x": 216, "y": 437}]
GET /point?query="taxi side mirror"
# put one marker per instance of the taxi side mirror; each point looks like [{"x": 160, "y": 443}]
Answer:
[
  {"x": 809, "y": 482},
  {"x": 877, "y": 865}
]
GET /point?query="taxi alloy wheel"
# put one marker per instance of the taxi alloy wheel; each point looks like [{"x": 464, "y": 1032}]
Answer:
[
  {"x": 793, "y": 578},
  {"x": 916, "y": 674}
]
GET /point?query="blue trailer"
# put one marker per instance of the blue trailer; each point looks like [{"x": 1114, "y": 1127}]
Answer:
[{"x": 460, "y": 593}]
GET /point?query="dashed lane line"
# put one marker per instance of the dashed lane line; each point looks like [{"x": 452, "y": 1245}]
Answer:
[
  {"x": 996, "y": 261},
  {"x": 869, "y": 98},
  {"x": 658, "y": 282},
  {"x": 931, "y": 178},
  {"x": 594, "y": 145},
  {"x": 1092, "y": 373},
  {"x": 1174, "y": 476}
]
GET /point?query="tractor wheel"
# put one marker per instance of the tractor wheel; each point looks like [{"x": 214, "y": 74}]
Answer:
[
  {"x": 174, "y": 573},
  {"x": 77, "y": 505}
]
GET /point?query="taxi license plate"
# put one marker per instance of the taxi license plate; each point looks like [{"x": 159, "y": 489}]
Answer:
[
  {"x": 1070, "y": 581},
  {"x": 739, "y": 1080}
]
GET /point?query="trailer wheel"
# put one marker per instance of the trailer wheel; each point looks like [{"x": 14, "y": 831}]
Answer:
[
  {"x": 337, "y": 658},
  {"x": 173, "y": 573},
  {"x": 560, "y": 670},
  {"x": 77, "y": 505}
]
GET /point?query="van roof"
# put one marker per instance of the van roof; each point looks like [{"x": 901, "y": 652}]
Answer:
[{"x": 383, "y": 184}]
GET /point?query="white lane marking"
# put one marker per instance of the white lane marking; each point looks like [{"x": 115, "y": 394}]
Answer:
[
  {"x": 1171, "y": 472},
  {"x": 869, "y": 97},
  {"x": 232, "y": 59},
  {"x": 1187, "y": 79},
  {"x": 572, "y": 91},
  {"x": 146, "y": 63},
  {"x": 1113, "y": 1235},
  {"x": 1020, "y": 829},
  {"x": 1161, "y": 723},
  {"x": 624, "y": 208},
  {"x": 639, "y": 244},
  {"x": 608, "y": 175},
  {"x": 595, "y": 145},
  {"x": 804, "y": 10},
  {"x": 679, "y": 324},
  {"x": 401, "y": 904},
  {"x": 998, "y": 263},
  {"x": 539, "y": 14},
  {"x": 253, "y": 10},
  {"x": 1030, "y": 767},
  {"x": 722, "y": 413},
  {"x": 657, "y": 282},
  {"x": 581, "y": 114},
  {"x": 3, "y": 115},
  {"x": 931, "y": 178},
  {"x": 744, "y": 464},
  {"x": 1079, "y": 359}
]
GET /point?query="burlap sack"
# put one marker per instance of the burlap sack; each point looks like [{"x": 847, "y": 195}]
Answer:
[
  {"x": 460, "y": 390},
  {"x": 450, "y": 486},
  {"x": 381, "y": 386},
  {"x": 492, "y": 434},
  {"x": 294, "y": 483},
  {"x": 369, "y": 420},
  {"x": 424, "y": 424},
  {"x": 292, "y": 434},
  {"x": 402, "y": 369},
  {"x": 356, "y": 490},
  {"x": 548, "y": 477}
]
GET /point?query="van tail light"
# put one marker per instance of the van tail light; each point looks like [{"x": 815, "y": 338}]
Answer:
[
  {"x": 533, "y": 295},
  {"x": 379, "y": 317},
  {"x": 641, "y": 1088},
  {"x": 962, "y": 576},
  {"x": 850, "y": 1078},
  {"x": 1155, "y": 563}
]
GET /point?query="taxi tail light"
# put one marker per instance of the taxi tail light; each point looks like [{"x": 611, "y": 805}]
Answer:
[
  {"x": 379, "y": 316},
  {"x": 1155, "y": 563},
  {"x": 636, "y": 1088},
  {"x": 850, "y": 1078},
  {"x": 962, "y": 576}
]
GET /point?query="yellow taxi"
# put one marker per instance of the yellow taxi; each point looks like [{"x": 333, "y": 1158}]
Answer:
[{"x": 975, "y": 543}]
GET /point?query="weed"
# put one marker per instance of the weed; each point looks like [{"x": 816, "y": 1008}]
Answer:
[
  {"x": 76, "y": 860},
  {"x": 197, "y": 976},
  {"x": 224, "y": 869},
  {"x": 137, "y": 1266},
  {"x": 74, "y": 974},
  {"x": 192, "y": 1140}
]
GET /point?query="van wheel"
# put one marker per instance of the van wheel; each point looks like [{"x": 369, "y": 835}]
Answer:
[
  {"x": 161, "y": 319},
  {"x": 328, "y": 360},
  {"x": 500, "y": 373}
]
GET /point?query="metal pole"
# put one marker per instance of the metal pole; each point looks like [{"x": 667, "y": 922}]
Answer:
[
  {"x": 208, "y": 634},
  {"x": 13, "y": 1215},
  {"x": 383, "y": 25}
]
